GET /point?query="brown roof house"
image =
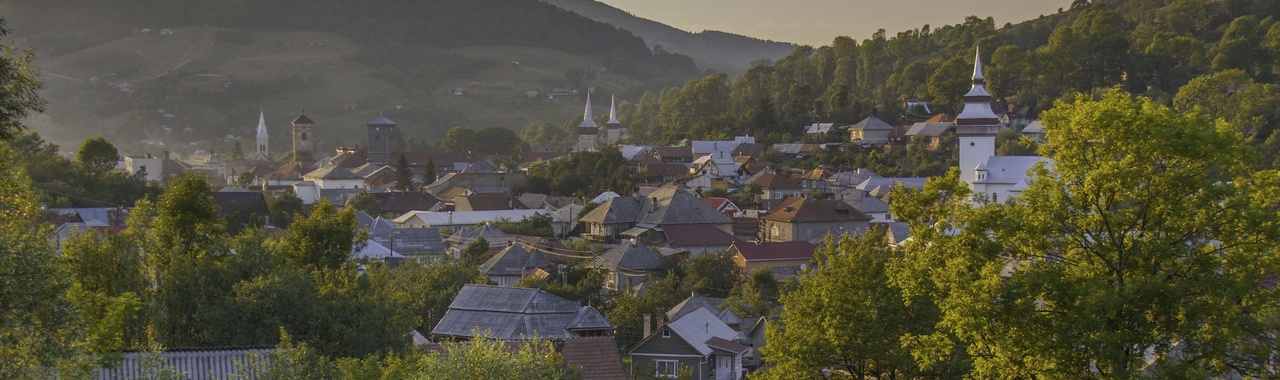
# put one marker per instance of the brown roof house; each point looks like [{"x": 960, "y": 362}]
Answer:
[
  {"x": 785, "y": 259},
  {"x": 805, "y": 219},
  {"x": 515, "y": 314},
  {"x": 635, "y": 216},
  {"x": 628, "y": 265}
]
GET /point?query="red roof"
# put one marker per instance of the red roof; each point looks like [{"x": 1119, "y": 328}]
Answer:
[
  {"x": 788, "y": 250},
  {"x": 715, "y": 202},
  {"x": 697, "y": 235}
]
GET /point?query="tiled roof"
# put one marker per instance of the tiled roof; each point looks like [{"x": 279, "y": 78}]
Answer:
[
  {"x": 616, "y": 210},
  {"x": 692, "y": 303},
  {"x": 697, "y": 235},
  {"x": 515, "y": 260},
  {"x": 507, "y": 313},
  {"x": 774, "y": 181},
  {"x": 676, "y": 206},
  {"x": 487, "y": 202},
  {"x": 381, "y": 120},
  {"x": 598, "y": 358},
  {"x": 788, "y": 250},
  {"x": 629, "y": 256},
  {"x": 805, "y": 210},
  {"x": 401, "y": 202}
]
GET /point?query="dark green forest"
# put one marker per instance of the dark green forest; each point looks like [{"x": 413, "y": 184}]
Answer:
[{"x": 1152, "y": 48}]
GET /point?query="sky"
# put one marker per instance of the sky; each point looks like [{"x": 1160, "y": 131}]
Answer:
[{"x": 818, "y": 22}]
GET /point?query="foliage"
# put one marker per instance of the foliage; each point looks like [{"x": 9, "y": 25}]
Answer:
[
  {"x": 490, "y": 140},
  {"x": 366, "y": 202},
  {"x": 324, "y": 239},
  {"x": 583, "y": 174},
  {"x": 404, "y": 174},
  {"x": 97, "y": 156},
  {"x": 711, "y": 274},
  {"x": 283, "y": 208},
  {"x": 757, "y": 296},
  {"x": 1012, "y": 143},
  {"x": 538, "y": 225},
  {"x": 424, "y": 291},
  {"x": 476, "y": 252},
  {"x": 1139, "y": 253},
  {"x": 19, "y": 85},
  {"x": 67, "y": 183},
  {"x": 846, "y": 315},
  {"x": 40, "y": 327},
  {"x": 576, "y": 282}
]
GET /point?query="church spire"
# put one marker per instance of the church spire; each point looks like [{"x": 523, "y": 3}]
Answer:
[
  {"x": 588, "y": 120},
  {"x": 262, "y": 124},
  {"x": 977, "y": 65},
  {"x": 613, "y": 111}
]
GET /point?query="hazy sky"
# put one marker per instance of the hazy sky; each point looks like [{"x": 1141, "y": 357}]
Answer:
[{"x": 818, "y": 22}]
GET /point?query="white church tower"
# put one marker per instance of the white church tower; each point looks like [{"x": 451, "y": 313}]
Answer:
[
  {"x": 263, "y": 151},
  {"x": 976, "y": 127},
  {"x": 588, "y": 130},
  {"x": 614, "y": 130}
]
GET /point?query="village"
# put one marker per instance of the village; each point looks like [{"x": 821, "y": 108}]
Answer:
[{"x": 712, "y": 198}]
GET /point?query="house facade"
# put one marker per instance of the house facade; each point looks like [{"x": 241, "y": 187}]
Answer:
[{"x": 697, "y": 342}]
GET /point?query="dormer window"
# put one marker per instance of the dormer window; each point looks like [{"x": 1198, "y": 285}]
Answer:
[{"x": 666, "y": 333}]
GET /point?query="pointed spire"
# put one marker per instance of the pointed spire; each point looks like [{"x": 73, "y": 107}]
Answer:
[
  {"x": 262, "y": 123},
  {"x": 588, "y": 120},
  {"x": 613, "y": 111},
  {"x": 977, "y": 65}
]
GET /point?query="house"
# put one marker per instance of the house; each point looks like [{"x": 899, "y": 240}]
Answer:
[
  {"x": 466, "y": 219},
  {"x": 870, "y": 206},
  {"x": 777, "y": 186},
  {"x": 816, "y": 180},
  {"x": 413, "y": 242},
  {"x": 805, "y": 219},
  {"x": 694, "y": 238},
  {"x": 244, "y": 207},
  {"x": 698, "y": 342},
  {"x": 628, "y": 264},
  {"x": 513, "y": 314},
  {"x": 372, "y": 250},
  {"x": 399, "y": 203},
  {"x": 673, "y": 154},
  {"x": 797, "y": 150},
  {"x": 1001, "y": 178},
  {"x": 636, "y": 215},
  {"x": 499, "y": 182},
  {"x": 785, "y": 259},
  {"x": 723, "y": 205},
  {"x": 465, "y": 236},
  {"x": 514, "y": 263},
  {"x": 1034, "y": 130},
  {"x": 934, "y": 129},
  {"x": 819, "y": 128},
  {"x": 487, "y": 202},
  {"x": 870, "y": 132}
]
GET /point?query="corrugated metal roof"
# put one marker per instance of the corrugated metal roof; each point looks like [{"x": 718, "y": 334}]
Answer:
[
  {"x": 467, "y": 218},
  {"x": 196, "y": 364},
  {"x": 699, "y": 326},
  {"x": 515, "y": 260},
  {"x": 629, "y": 256},
  {"x": 507, "y": 313}
]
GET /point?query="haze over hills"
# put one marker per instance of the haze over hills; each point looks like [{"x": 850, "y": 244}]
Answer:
[
  {"x": 430, "y": 65},
  {"x": 718, "y": 50}
]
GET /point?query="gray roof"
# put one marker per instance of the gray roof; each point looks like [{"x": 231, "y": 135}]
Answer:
[
  {"x": 852, "y": 178},
  {"x": 588, "y": 318},
  {"x": 629, "y": 256},
  {"x": 676, "y": 206},
  {"x": 1035, "y": 126},
  {"x": 928, "y": 129},
  {"x": 692, "y": 303},
  {"x": 491, "y": 234},
  {"x": 897, "y": 232},
  {"x": 196, "y": 363},
  {"x": 699, "y": 326},
  {"x": 1007, "y": 169},
  {"x": 537, "y": 200},
  {"x": 482, "y": 166},
  {"x": 515, "y": 260},
  {"x": 408, "y": 240},
  {"x": 381, "y": 120},
  {"x": 332, "y": 173},
  {"x": 890, "y": 182},
  {"x": 506, "y": 313},
  {"x": 872, "y": 123},
  {"x": 616, "y": 210}
]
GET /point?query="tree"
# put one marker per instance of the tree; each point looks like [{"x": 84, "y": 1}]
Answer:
[
  {"x": 460, "y": 139},
  {"x": 97, "y": 156},
  {"x": 404, "y": 174},
  {"x": 20, "y": 86},
  {"x": 429, "y": 173},
  {"x": 245, "y": 179},
  {"x": 757, "y": 296},
  {"x": 39, "y": 328},
  {"x": 476, "y": 252},
  {"x": 324, "y": 239},
  {"x": 366, "y": 202},
  {"x": 284, "y": 208},
  {"x": 846, "y": 314},
  {"x": 710, "y": 274},
  {"x": 1139, "y": 253}
]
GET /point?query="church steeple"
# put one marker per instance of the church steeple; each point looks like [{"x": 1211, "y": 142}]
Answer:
[
  {"x": 976, "y": 126},
  {"x": 613, "y": 111},
  {"x": 588, "y": 120},
  {"x": 263, "y": 150},
  {"x": 588, "y": 130}
]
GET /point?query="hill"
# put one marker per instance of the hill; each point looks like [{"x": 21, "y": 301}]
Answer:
[
  {"x": 211, "y": 65},
  {"x": 714, "y": 49}
]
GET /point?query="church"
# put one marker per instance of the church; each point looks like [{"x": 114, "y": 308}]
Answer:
[
  {"x": 998, "y": 178},
  {"x": 591, "y": 136}
]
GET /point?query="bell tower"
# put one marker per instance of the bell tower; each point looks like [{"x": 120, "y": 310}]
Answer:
[
  {"x": 382, "y": 134},
  {"x": 303, "y": 139},
  {"x": 976, "y": 126},
  {"x": 263, "y": 147}
]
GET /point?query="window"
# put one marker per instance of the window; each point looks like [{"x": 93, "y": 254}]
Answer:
[
  {"x": 304, "y": 136},
  {"x": 994, "y": 198},
  {"x": 666, "y": 368},
  {"x": 666, "y": 333}
]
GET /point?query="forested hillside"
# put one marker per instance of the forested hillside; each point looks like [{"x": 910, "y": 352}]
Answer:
[
  {"x": 1148, "y": 47},
  {"x": 110, "y": 70},
  {"x": 712, "y": 49}
]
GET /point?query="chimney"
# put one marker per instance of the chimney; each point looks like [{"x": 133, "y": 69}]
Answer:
[
  {"x": 660, "y": 322},
  {"x": 648, "y": 324},
  {"x": 450, "y": 217}
]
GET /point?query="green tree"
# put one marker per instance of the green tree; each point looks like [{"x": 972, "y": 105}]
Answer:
[
  {"x": 711, "y": 274},
  {"x": 1138, "y": 254},
  {"x": 757, "y": 296},
  {"x": 96, "y": 155},
  {"x": 40, "y": 327},
  {"x": 404, "y": 174},
  {"x": 366, "y": 202},
  {"x": 846, "y": 315},
  {"x": 476, "y": 252},
  {"x": 245, "y": 179},
  {"x": 324, "y": 239},
  {"x": 429, "y": 173},
  {"x": 460, "y": 139},
  {"x": 284, "y": 208},
  {"x": 20, "y": 86}
]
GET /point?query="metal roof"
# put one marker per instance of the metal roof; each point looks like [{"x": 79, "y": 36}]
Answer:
[
  {"x": 629, "y": 256},
  {"x": 506, "y": 313}
]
